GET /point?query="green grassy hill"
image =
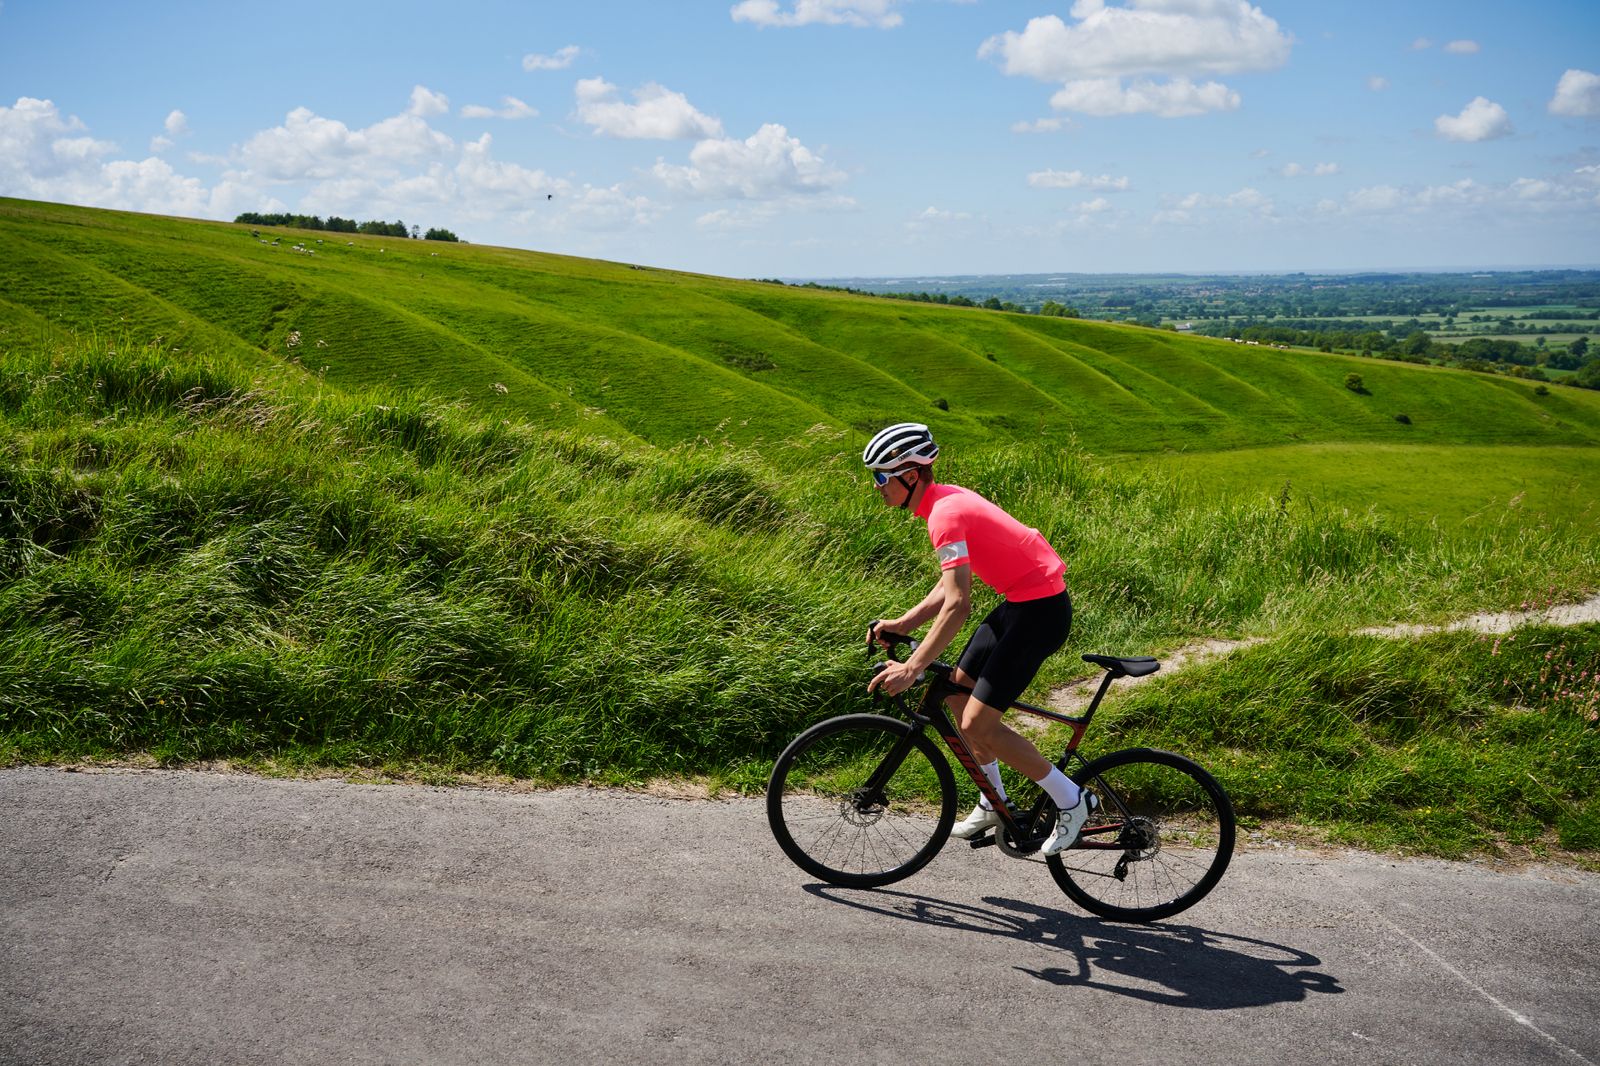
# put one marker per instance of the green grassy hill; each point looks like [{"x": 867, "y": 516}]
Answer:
[
  {"x": 668, "y": 357},
  {"x": 197, "y": 564},
  {"x": 495, "y": 511}
]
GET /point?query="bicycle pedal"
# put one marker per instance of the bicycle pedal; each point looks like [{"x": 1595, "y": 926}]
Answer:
[{"x": 985, "y": 839}]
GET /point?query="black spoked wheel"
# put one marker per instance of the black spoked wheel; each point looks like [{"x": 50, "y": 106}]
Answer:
[
  {"x": 861, "y": 800},
  {"x": 1160, "y": 841}
]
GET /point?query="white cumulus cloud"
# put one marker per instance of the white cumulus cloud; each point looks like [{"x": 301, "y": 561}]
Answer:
[
  {"x": 1481, "y": 120},
  {"x": 561, "y": 60},
  {"x": 45, "y": 155},
  {"x": 510, "y": 108},
  {"x": 1315, "y": 170},
  {"x": 490, "y": 182},
  {"x": 609, "y": 209},
  {"x": 1377, "y": 83},
  {"x": 1466, "y": 199},
  {"x": 308, "y": 146},
  {"x": 1462, "y": 48},
  {"x": 770, "y": 164},
  {"x": 1075, "y": 179},
  {"x": 425, "y": 102},
  {"x": 1375, "y": 198},
  {"x": 880, "y": 14},
  {"x": 176, "y": 125},
  {"x": 1577, "y": 94},
  {"x": 1167, "y": 37},
  {"x": 1041, "y": 125},
  {"x": 932, "y": 218},
  {"x": 734, "y": 219},
  {"x": 1248, "y": 201},
  {"x": 398, "y": 167},
  {"x": 1178, "y": 98},
  {"x": 657, "y": 113},
  {"x": 1173, "y": 39}
]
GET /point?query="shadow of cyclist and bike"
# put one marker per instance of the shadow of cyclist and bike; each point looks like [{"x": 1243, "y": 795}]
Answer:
[{"x": 1175, "y": 965}]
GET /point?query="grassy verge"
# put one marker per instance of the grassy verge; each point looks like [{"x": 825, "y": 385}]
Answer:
[
  {"x": 196, "y": 564},
  {"x": 1457, "y": 484},
  {"x": 1452, "y": 744}
]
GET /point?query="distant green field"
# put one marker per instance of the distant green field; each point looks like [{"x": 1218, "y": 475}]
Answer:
[
  {"x": 1459, "y": 485},
  {"x": 1552, "y": 340},
  {"x": 1541, "y": 310}
]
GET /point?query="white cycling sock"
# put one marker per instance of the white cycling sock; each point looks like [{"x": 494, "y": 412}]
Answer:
[
  {"x": 991, "y": 770},
  {"x": 1063, "y": 790}
]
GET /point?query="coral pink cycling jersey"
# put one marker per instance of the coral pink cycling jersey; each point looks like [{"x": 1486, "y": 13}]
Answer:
[{"x": 1010, "y": 558}]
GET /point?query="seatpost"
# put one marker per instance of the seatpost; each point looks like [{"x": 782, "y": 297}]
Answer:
[{"x": 1105, "y": 683}]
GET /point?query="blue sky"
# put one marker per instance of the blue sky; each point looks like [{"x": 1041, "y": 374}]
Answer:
[{"x": 806, "y": 138}]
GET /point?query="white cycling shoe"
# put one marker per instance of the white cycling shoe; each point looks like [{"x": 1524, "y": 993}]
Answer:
[
  {"x": 980, "y": 819},
  {"x": 1070, "y": 824}
]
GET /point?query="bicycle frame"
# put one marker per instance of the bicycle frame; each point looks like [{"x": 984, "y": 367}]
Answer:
[
  {"x": 864, "y": 800},
  {"x": 932, "y": 712}
]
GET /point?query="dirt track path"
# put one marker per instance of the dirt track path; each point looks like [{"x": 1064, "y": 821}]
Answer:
[{"x": 1074, "y": 697}]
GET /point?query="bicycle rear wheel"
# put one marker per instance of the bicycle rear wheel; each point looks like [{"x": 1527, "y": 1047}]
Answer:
[
  {"x": 861, "y": 800},
  {"x": 1160, "y": 841}
]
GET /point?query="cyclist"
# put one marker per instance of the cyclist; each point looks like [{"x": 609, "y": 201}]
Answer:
[{"x": 973, "y": 536}]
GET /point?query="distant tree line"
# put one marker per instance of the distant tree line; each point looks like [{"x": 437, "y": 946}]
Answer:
[
  {"x": 335, "y": 224},
  {"x": 1411, "y": 343},
  {"x": 993, "y": 303},
  {"x": 1564, "y": 296},
  {"x": 1316, "y": 311}
]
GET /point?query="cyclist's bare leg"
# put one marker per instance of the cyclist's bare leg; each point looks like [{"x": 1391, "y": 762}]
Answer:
[
  {"x": 987, "y": 734},
  {"x": 957, "y": 703}
]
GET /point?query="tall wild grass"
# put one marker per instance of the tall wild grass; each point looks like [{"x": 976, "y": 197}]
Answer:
[{"x": 196, "y": 563}]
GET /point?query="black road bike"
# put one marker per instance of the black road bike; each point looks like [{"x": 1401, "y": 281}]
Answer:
[{"x": 865, "y": 800}]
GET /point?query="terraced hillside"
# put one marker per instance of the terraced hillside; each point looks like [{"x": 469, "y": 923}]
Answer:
[
  {"x": 438, "y": 510},
  {"x": 668, "y": 357}
]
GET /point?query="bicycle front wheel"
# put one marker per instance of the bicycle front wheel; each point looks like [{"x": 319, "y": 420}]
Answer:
[
  {"x": 1160, "y": 840},
  {"x": 861, "y": 800}
]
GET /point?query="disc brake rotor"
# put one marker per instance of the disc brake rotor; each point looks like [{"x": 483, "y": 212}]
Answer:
[
  {"x": 1141, "y": 837},
  {"x": 860, "y": 811}
]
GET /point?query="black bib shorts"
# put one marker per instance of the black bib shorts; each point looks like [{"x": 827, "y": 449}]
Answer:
[{"x": 1010, "y": 645}]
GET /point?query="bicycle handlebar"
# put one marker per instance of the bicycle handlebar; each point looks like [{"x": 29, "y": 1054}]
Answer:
[{"x": 894, "y": 640}]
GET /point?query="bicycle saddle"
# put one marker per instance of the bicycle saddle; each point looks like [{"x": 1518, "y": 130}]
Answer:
[{"x": 1134, "y": 666}]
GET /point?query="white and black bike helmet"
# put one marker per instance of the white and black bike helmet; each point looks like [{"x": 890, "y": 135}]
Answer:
[{"x": 901, "y": 445}]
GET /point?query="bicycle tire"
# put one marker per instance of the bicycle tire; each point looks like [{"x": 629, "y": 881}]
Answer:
[
  {"x": 1159, "y": 842},
  {"x": 826, "y": 822}
]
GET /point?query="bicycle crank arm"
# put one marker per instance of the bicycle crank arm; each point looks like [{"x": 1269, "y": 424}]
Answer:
[{"x": 990, "y": 838}]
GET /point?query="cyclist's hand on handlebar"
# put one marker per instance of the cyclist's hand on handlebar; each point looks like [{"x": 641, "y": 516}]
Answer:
[
  {"x": 894, "y": 678},
  {"x": 880, "y": 634}
]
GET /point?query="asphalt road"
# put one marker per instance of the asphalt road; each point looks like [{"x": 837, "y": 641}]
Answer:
[{"x": 181, "y": 918}]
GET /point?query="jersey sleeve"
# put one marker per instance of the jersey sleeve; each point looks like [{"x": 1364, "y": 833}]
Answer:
[{"x": 949, "y": 537}]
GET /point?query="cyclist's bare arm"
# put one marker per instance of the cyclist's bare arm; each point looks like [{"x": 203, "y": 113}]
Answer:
[
  {"x": 912, "y": 620},
  {"x": 930, "y": 606},
  {"x": 948, "y": 604},
  {"x": 955, "y": 589}
]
